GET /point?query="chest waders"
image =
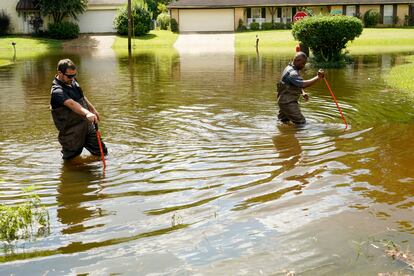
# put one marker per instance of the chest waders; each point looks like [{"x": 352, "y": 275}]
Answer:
[
  {"x": 287, "y": 99},
  {"x": 73, "y": 128}
]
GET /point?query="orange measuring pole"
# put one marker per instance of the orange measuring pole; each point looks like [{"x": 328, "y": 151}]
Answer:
[
  {"x": 98, "y": 137},
  {"x": 336, "y": 102}
]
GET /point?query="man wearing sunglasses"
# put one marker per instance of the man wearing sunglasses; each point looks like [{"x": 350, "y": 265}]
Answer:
[{"x": 73, "y": 114}]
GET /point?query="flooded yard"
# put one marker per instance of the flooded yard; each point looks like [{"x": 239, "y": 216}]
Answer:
[{"x": 201, "y": 178}]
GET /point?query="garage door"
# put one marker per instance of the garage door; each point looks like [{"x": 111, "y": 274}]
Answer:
[
  {"x": 97, "y": 21},
  {"x": 206, "y": 20}
]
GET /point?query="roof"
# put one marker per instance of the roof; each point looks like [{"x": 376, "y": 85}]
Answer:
[
  {"x": 264, "y": 3},
  {"x": 28, "y": 5}
]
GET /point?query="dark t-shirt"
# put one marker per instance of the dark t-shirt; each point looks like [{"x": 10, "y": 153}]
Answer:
[{"x": 61, "y": 92}]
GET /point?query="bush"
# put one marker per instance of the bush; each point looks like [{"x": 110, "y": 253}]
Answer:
[
  {"x": 241, "y": 26},
  {"x": 267, "y": 26},
  {"x": 371, "y": 18},
  {"x": 4, "y": 22},
  {"x": 174, "y": 25},
  {"x": 327, "y": 36},
  {"x": 254, "y": 26},
  {"x": 36, "y": 22},
  {"x": 163, "y": 21},
  {"x": 279, "y": 26},
  {"x": 63, "y": 30},
  {"x": 141, "y": 20}
]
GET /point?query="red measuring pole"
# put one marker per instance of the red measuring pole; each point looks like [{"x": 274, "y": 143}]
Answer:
[
  {"x": 98, "y": 137},
  {"x": 336, "y": 102}
]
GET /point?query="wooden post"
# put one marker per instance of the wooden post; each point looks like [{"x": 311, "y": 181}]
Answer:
[{"x": 129, "y": 26}]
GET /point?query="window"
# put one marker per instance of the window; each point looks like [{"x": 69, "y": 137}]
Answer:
[
  {"x": 388, "y": 14},
  {"x": 350, "y": 10},
  {"x": 256, "y": 12}
]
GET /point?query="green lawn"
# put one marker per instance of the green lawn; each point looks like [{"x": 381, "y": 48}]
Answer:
[
  {"x": 155, "y": 39},
  {"x": 275, "y": 41},
  {"x": 26, "y": 47},
  {"x": 370, "y": 41},
  {"x": 401, "y": 76}
]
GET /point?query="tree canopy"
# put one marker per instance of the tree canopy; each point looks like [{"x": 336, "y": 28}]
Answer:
[{"x": 60, "y": 9}]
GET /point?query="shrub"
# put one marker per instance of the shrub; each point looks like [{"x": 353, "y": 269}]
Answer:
[
  {"x": 4, "y": 22},
  {"x": 20, "y": 221},
  {"x": 174, "y": 25},
  {"x": 63, "y": 30},
  {"x": 278, "y": 26},
  {"x": 267, "y": 26},
  {"x": 141, "y": 20},
  {"x": 327, "y": 36},
  {"x": 254, "y": 26},
  {"x": 371, "y": 18},
  {"x": 36, "y": 22},
  {"x": 163, "y": 21},
  {"x": 241, "y": 26}
]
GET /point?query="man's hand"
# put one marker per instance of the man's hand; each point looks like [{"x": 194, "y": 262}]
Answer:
[
  {"x": 96, "y": 114},
  {"x": 305, "y": 95},
  {"x": 321, "y": 74},
  {"x": 92, "y": 118}
]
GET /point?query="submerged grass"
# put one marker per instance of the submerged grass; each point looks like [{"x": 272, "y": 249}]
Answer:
[
  {"x": 400, "y": 76},
  {"x": 26, "y": 47},
  {"x": 371, "y": 41},
  {"x": 154, "y": 39},
  {"x": 22, "y": 220}
]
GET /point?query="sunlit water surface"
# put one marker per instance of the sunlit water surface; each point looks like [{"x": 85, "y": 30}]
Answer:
[{"x": 202, "y": 179}]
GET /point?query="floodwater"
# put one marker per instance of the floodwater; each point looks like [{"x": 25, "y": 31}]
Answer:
[{"x": 201, "y": 179}]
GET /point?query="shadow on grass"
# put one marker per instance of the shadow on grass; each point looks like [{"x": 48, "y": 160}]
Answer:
[{"x": 143, "y": 37}]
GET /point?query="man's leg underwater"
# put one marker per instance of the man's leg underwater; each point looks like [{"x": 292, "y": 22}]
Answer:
[
  {"x": 92, "y": 144},
  {"x": 70, "y": 154},
  {"x": 292, "y": 112}
]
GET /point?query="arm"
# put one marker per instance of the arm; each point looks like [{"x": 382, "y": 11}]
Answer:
[
  {"x": 92, "y": 108},
  {"x": 78, "y": 109},
  {"x": 320, "y": 75}
]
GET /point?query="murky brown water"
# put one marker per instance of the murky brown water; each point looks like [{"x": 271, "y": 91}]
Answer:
[{"x": 200, "y": 177}]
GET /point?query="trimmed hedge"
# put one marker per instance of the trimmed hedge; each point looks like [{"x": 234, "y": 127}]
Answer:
[
  {"x": 327, "y": 36},
  {"x": 267, "y": 26},
  {"x": 63, "y": 30},
  {"x": 371, "y": 18},
  {"x": 254, "y": 26},
  {"x": 174, "y": 25}
]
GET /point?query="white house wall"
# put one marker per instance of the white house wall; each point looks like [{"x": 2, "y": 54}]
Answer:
[{"x": 16, "y": 22}]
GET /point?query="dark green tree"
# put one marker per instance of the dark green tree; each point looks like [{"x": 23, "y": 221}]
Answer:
[
  {"x": 141, "y": 19},
  {"x": 327, "y": 36},
  {"x": 61, "y": 9}
]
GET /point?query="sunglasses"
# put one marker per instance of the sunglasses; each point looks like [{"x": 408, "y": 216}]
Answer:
[{"x": 70, "y": 76}]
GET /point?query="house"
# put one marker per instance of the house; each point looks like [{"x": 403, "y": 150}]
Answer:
[
  {"x": 225, "y": 15},
  {"x": 98, "y": 18}
]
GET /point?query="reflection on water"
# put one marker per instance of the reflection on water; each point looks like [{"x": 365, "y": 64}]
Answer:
[{"x": 201, "y": 178}]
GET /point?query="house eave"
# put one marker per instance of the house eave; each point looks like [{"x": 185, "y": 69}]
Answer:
[{"x": 237, "y": 4}]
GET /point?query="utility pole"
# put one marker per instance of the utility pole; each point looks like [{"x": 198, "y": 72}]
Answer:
[{"x": 129, "y": 26}]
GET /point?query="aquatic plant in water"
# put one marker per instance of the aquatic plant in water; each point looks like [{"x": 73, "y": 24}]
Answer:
[{"x": 24, "y": 220}]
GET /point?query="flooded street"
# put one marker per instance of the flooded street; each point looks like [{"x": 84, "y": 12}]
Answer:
[{"x": 200, "y": 177}]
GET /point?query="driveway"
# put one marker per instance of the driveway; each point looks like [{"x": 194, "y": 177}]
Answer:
[
  {"x": 205, "y": 43},
  {"x": 98, "y": 45}
]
